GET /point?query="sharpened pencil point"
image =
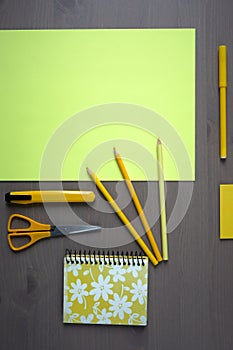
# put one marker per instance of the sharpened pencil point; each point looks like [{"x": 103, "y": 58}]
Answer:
[
  {"x": 115, "y": 151},
  {"x": 159, "y": 141},
  {"x": 89, "y": 170}
]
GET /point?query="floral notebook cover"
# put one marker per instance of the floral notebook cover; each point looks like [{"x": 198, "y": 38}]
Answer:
[{"x": 108, "y": 289}]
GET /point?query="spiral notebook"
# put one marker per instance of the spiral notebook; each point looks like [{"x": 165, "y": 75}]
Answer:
[{"x": 108, "y": 289}]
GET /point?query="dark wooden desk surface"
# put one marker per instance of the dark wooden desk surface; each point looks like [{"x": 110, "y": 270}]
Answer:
[{"x": 190, "y": 297}]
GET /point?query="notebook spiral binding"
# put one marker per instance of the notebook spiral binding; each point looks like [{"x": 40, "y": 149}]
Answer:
[{"x": 102, "y": 258}]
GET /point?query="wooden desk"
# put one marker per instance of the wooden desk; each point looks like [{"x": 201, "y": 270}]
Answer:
[{"x": 190, "y": 297}]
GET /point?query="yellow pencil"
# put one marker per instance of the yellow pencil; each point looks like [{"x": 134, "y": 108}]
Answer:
[
  {"x": 222, "y": 103},
  {"x": 162, "y": 201},
  {"x": 138, "y": 205},
  {"x": 122, "y": 216}
]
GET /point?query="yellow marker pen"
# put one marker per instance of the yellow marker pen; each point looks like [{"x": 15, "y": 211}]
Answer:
[{"x": 222, "y": 103}]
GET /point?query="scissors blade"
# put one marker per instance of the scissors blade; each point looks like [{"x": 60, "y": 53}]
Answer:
[{"x": 71, "y": 230}]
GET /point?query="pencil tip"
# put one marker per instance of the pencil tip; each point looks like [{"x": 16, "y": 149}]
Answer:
[
  {"x": 159, "y": 141},
  {"x": 115, "y": 151}
]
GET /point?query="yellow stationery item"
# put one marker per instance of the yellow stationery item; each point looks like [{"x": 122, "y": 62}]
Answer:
[
  {"x": 67, "y": 93},
  {"x": 226, "y": 211},
  {"x": 222, "y": 91},
  {"x": 29, "y": 197},
  {"x": 163, "y": 216},
  {"x": 138, "y": 205},
  {"x": 34, "y": 231},
  {"x": 122, "y": 216},
  {"x": 105, "y": 289}
]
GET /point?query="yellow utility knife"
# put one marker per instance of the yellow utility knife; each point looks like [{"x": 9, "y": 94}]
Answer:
[{"x": 29, "y": 197}]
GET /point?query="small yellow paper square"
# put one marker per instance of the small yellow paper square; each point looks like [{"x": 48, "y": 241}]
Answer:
[{"x": 226, "y": 211}]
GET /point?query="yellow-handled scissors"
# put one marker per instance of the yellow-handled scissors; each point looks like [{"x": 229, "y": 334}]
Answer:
[{"x": 37, "y": 231}]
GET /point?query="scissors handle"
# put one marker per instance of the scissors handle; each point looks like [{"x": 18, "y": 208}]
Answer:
[
  {"x": 35, "y": 231},
  {"x": 33, "y": 225},
  {"x": 33, "y": 236}
]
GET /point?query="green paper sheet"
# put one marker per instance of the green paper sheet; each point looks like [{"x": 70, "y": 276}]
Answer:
[{"x": 69, "y": 96}]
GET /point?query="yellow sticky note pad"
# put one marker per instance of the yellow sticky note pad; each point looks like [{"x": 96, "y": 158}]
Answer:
[{"x": 226, "y": 211}]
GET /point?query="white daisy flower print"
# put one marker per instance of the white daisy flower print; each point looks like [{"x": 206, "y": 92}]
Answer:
[
  {"x": 73, "y": 318},
  {"x": 87, "y": 319},
  {"x": 134, "y": 269},
  {"x": 104, "y": 317},
  {"x": 66, "y": 287},
  {"x": 139, "y": 292},
  {"x": 133, "y": 318},
  {"x": 101, "y": 264},
  {"x": 67, "y": 305},
  {"x": 95, "y": 308},
  {"x": 120, "y": 306},
  {"x": 79, "y": 292},
  {"x": 75, "y": 269},
  {"x": 117, "y": 271},
  {"x": 101, "y": 288},
  {"x": 143, "y": 320}
]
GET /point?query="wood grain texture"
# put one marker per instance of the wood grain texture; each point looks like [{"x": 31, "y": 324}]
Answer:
[{"x": 190, "y": 296}]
